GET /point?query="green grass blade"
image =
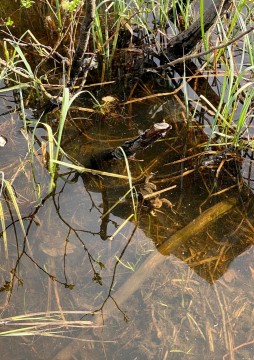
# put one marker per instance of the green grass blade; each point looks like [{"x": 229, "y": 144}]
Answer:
[
  {"x": 26, "y": 63},
  {"x": 2, "y": 219},
  {"x": 15, "y": 87},
  {"x": 15, "y": 204}
]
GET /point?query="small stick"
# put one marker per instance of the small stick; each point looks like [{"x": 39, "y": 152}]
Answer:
[{"x": 150, "y": 196}]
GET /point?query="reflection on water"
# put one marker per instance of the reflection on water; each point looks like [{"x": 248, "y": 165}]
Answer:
[{"x": 192, "y": 301}]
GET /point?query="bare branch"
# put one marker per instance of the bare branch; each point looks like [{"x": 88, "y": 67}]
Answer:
[
  {"x": 193, "y": 56},
  {"x": 83, "y": 42}
]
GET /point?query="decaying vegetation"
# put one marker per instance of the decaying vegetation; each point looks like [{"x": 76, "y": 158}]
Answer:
[{"x": 97, "y": 83}]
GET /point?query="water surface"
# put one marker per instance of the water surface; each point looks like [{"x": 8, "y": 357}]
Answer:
[{"x": 193, "y": 302}]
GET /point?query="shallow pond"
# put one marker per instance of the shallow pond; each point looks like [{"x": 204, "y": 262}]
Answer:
[
  {"x": 86, "y": 275},
  {"x": 192, "y": 302}
]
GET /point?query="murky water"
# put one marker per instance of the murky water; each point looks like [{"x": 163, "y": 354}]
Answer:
[
  {"x": 191, "y": 299},
  {"x": 195, "y": 302}
]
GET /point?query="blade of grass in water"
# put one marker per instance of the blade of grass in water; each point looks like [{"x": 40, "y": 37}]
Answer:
[
  {"x": 26, "y": 63},
  {"x": 82, "y": 169},
  {"x": 242, "y": 118},
  {"x": 132, "y": 188},
  {"x": 16, "y": 207},
  {"x": 116, "y": 203},
  {"x": 4, "y": 235},
  {"x": 64, "y": 111},
  {"x": 66, "y": 104},
  {"x": 15, "y": 87},
  {"x": 121, "y": 226}
]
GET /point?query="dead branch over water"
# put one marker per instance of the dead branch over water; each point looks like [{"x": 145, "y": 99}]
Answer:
[
  {"x": 177, "y": 47},
  {"x": 84, "y": 36},
  {"x": 184, "y": 42}
]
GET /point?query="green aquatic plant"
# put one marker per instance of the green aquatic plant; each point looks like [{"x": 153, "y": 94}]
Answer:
[
  {"x": 121, "y": 19},
  {"x": 67, "y": 101},
  {"x": 70, "y": 5},
  {"x": 26, "y": 3},
  {"x": 181, "y": 13},
  {"x": 233, "y": 115},
  {"x": 233, "y": 118},
  {"x": 9, "y": 22}
]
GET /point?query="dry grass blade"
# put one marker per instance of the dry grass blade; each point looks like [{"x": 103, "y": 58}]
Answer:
[
  {"x": 82, "y": 169},
  {"x": 153, "y": 96},
  {"x": 156, "y": 193},
  {"x": 43, "y": 323}
]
